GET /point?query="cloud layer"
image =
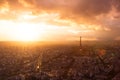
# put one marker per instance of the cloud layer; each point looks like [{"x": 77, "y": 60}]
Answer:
[{"x": 103, "y": 13}]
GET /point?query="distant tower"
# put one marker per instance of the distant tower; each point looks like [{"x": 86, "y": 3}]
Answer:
[{"x": 80, "y": 42}]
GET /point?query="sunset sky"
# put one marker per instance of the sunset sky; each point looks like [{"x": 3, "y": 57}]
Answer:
[{"x": 59, "y": 20}]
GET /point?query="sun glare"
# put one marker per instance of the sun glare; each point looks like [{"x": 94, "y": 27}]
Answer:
[{"x": 26, "y": 32}]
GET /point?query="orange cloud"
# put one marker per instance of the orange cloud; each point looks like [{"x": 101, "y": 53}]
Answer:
[{"x": 101, "y": 16}]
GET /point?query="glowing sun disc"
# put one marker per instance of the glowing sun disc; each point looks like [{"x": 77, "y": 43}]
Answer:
[{"x": 26, "y": 34}]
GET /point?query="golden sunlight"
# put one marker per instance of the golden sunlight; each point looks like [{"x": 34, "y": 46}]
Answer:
[{"x": 26, "y": 32}]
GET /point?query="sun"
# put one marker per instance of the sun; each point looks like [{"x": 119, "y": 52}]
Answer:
[{"x": 26, "y": 33}]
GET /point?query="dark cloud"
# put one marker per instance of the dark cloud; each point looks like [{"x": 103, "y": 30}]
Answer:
[
  {"x": 69, "y": 9},
  {"x": 117, "y": 4},
  {"x": 79, "y": 11},
  {"x": 113, "y": 26},
  {"x": 92, "y": 7},
  {"x": 74, "y": 9}
]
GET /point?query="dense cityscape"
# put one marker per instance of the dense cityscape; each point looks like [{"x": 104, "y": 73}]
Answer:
[
  {"x": 94, "y": 61},
  {"x": 59, "y": 39}
]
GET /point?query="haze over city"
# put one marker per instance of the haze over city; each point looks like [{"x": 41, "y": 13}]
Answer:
[
  {"x": 49, "y": 20},
  {"x": 59, "y": 39}
]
